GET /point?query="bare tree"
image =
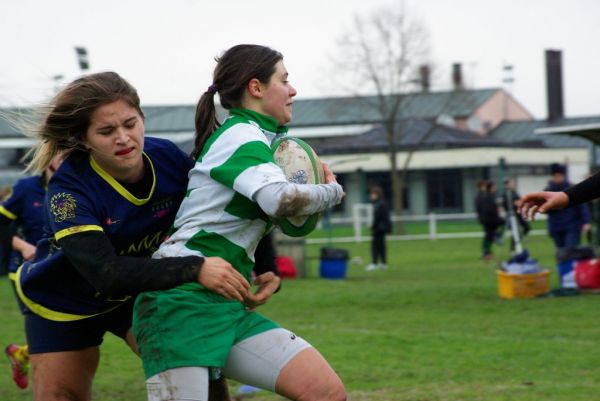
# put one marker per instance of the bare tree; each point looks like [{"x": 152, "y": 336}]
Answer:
[{"x": 381, "y": 53}]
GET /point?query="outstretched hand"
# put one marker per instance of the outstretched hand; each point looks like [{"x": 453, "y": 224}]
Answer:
[
  {"x": 329, "y": 176},
  {"x": 217, "y": 275},
  {"x": 267, "y": 284},
  {"x": 541, "y": 202}
]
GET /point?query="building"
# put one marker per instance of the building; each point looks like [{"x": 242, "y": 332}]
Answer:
[{"x": 445, "y": 142}]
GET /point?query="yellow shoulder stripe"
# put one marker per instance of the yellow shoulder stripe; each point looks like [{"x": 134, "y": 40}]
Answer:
[
  {"x": 49, "y": 313},
  {"x": 75, "y": 230},
  {"x": 7, "y": 213}
]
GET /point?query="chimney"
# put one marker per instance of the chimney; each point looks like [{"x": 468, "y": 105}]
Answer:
[
  {"x": 425, "y": 72},
  {"x": 554, "y": 87},
  {"x": 457, "y": 79}
]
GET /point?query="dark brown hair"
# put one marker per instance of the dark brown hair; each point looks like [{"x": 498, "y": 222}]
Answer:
[
  {"x": 235, "y": 68},
  {"x": 64, "y": 124}
]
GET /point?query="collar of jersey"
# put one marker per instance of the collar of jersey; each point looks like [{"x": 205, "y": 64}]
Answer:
[
  {"x": 266, "y": 123},
  {"x": 120, "y": 188}
]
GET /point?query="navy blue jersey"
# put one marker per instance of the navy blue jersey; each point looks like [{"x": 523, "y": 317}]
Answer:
[
  {"x": 25, "y": 207},
  {"x": 83, "y": 197}
]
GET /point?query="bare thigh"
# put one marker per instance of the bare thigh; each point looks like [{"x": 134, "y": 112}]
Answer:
[
  {"x": 308, "y": 377},
  {"x": 64, "y": 376}
]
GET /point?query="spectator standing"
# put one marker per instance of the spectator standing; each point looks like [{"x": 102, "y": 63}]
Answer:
[
  {"x": 488, "y": 216},
  {"x": 381, "y": 226},
  {"x": 566, "y": 225}
]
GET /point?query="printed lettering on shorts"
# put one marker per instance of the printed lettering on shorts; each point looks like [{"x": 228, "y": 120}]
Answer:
[{"x": 62, "y": 206}]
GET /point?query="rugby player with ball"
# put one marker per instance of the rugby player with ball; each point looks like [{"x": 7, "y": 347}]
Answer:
[{"x": 236, "y": 192}]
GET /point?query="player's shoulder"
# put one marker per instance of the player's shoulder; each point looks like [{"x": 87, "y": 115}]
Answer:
[
  {"x": 236, "y": 125},
  {"x": 165, "y": 153},
  {"x": 29, "y": 182},
  {"x": 74, "y": 175},
  {"x": 160, "y": 146}
]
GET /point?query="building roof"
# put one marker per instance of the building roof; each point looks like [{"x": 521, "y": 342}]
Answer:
[
  {"x": 359, "y": 123},
  {"x": 538, "y": 130},
  {"x": 359, "y": 110},
  {"x": 410, "y": 133},
  {"x": 337, "y": 110},
  {"x": 312, "y": 117}
]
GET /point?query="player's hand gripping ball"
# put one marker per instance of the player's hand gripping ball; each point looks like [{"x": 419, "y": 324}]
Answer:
[{"x": 300, "y": 165}]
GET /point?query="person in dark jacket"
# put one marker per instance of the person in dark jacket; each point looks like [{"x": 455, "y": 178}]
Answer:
[
  {"x": 565, "y": 226},
  {"x": 488, "y": 216},
  {"x": 381, "y": 226}
]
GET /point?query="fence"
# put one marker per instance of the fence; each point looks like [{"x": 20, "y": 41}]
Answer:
[{"x": 362, "y": 215}]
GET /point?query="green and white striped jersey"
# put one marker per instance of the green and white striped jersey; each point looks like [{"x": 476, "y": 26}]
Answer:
[{"x": 218, "y": 216}]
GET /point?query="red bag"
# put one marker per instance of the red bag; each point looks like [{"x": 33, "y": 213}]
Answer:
[
  {"x": 286, "y": 267},
  {"x": 587, "y": 273}
]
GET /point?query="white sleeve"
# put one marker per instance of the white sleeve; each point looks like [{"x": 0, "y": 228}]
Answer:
[{"x": 285, "y": 199}]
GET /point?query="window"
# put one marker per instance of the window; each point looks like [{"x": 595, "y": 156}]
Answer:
[
  {"x": 444, "y": 190},
  {"x": 384, "y": 180}
]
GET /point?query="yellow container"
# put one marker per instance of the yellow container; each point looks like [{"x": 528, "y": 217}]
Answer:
[{"x": 511, "y": 285}]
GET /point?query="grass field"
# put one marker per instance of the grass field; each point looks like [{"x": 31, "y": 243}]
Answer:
[
  {"x": 416, "y": 228},
  {"x": 429, "y": 328}
]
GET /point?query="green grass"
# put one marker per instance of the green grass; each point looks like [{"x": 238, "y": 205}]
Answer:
[
  {"x": 416, "y": 228},
  {"x": 429, "y": 328}
]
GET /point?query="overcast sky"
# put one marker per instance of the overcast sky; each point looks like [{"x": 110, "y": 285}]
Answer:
[{"x": 166, "y": 48}]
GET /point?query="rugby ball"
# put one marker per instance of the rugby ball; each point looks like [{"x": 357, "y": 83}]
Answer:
[{"x": 300, "y": 165}]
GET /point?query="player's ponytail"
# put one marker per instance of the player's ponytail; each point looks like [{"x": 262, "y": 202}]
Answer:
[
  {"x": 235, "y": 68},
  {"x": 206, "y": 120}
]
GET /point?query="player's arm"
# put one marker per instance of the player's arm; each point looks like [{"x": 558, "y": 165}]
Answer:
[
  {"x": 584, "y": 191},
  {"x": 264, "y": 257},
  {"x": 267, "y": 278},
  {"x": 9, "y": 239},
  {"x": 286, "y": 199},
  {"x": 264, "y": 261},
  {"x": 26, "y": 249},
  {"x": 7, "y": 232},
  {"x": 94, "y": 257}
]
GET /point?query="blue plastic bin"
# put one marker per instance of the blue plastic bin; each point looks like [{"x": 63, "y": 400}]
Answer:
[
  {"x": 334, "y": 263},
  {"x": 565, "y": 267}
]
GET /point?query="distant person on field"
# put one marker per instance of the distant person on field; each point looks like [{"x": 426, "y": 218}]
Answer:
[
  {"x": 488, "y": 216},
  {"x": 565, "y": 224},
  {"x": 381, "y": 226}
]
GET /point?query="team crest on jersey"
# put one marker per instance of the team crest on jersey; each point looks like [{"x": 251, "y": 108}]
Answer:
[{"x": 62, "y": 206}]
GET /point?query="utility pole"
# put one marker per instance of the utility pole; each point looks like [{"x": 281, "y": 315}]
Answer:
[
  {"x": 82, "y": 58},
  {"x": 57, "y": 80},
  {"x": 508, "y": 81}
]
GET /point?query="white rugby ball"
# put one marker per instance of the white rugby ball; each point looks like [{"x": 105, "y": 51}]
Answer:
[{"x": 300, "y": 165}]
